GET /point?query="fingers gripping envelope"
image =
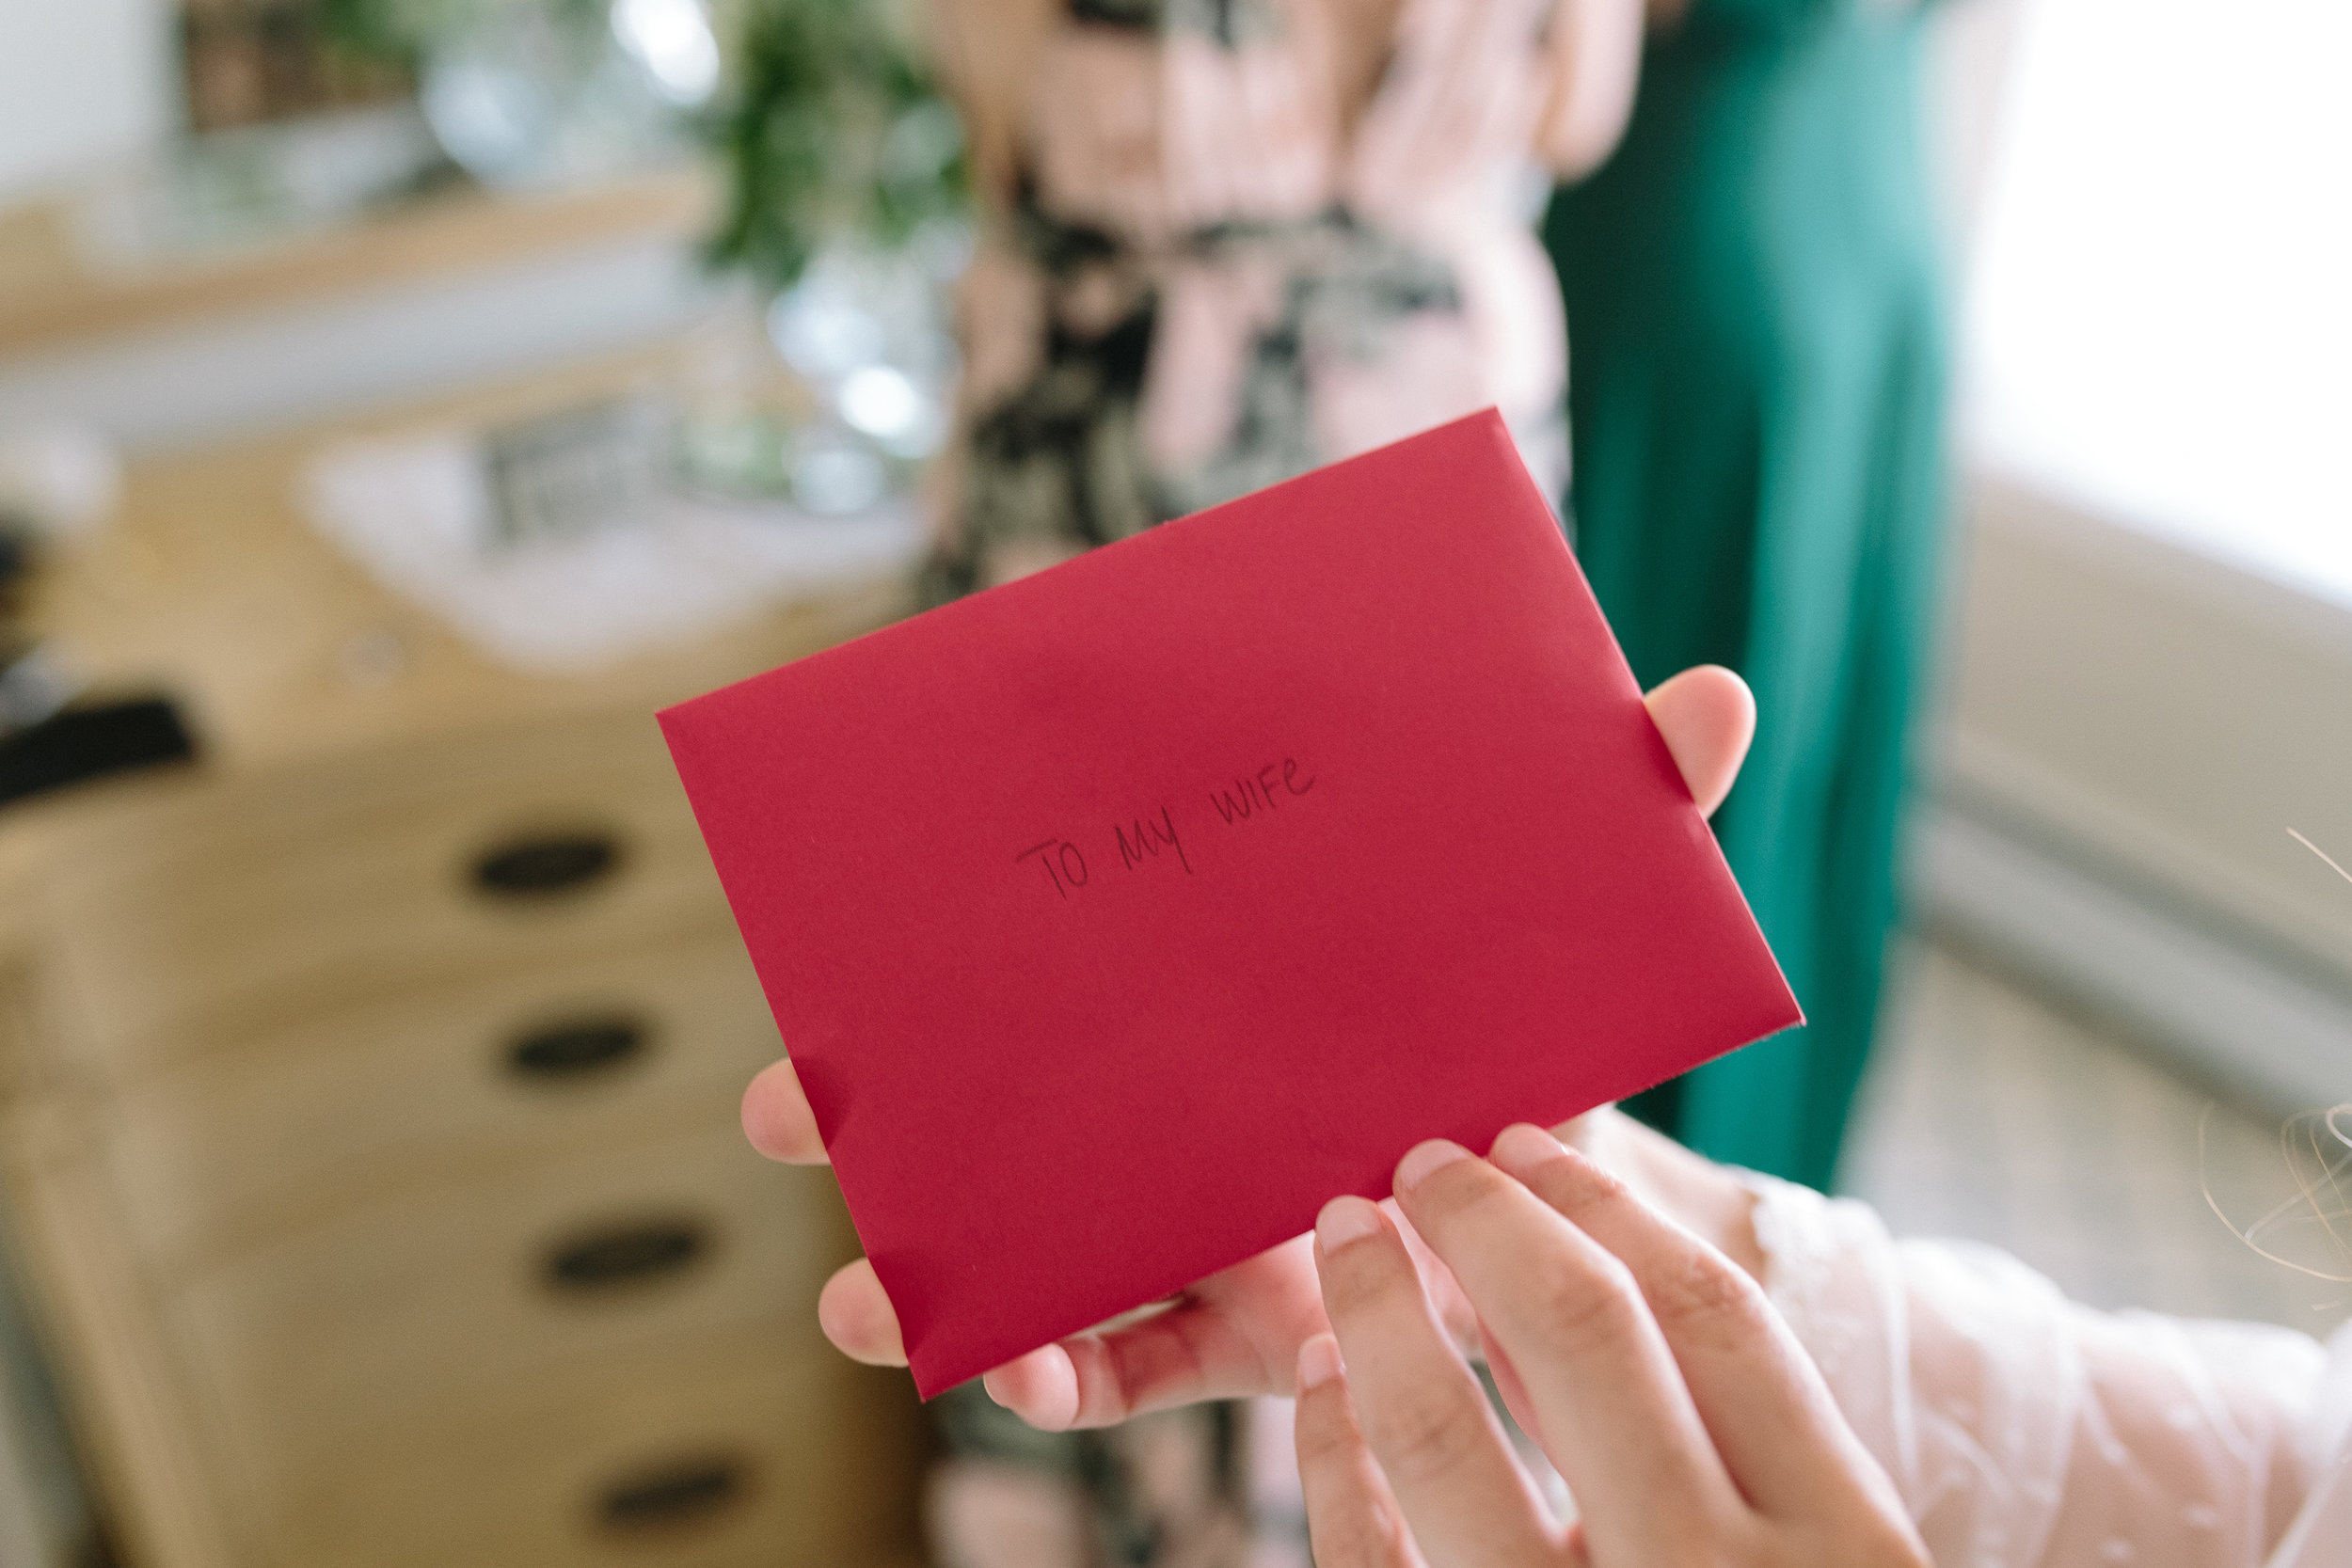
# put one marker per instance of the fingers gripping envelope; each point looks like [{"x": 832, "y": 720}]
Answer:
[{"x": 1117, "y": 917}]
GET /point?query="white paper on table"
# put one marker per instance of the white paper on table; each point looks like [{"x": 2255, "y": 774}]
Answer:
[{"x": 418, "y": 513}]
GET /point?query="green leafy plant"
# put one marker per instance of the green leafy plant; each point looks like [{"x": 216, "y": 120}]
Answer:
[
  {"x": 368, "y": 29},
  {"x": 399, "y": 30},
  {"x": 828, "y": 128},
  {"x": 831, "y": 133}
]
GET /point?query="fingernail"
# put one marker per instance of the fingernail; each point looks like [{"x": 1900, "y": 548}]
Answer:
[
  {"x": 1344, "y": 1220},
  {"x": 1318, "y": 1362},
  {"x": 1415, "y": 1167},
  {"x": 1523, "y": 1145}
]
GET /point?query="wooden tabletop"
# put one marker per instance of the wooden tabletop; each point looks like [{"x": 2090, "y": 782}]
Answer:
[
  {"x": 212, "y": 587},
  {"x": 52, "y": 295}
]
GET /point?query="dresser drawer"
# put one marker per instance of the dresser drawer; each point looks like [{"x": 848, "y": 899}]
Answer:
[
  {"x": 719, "y": 1452},
  {"x": 206, "y": 912},
  {"x": 221, "y": 1150},
  {"x": 332, "y": 1331}
]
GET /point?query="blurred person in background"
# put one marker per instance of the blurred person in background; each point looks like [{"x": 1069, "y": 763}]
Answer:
[
  {"x": 1223, "y": 242},
  {"x": 1752, "y": 284}
]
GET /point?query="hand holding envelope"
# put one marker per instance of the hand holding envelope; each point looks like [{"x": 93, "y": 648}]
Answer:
[
  {"x": 1118, "y": 917},
  {"x": 1236, "y": 1333}
]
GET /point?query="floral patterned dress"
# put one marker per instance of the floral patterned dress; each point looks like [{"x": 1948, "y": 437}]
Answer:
[
  {"x": 1222, "y": 242},
  {"x": 1226, "y": 241}
]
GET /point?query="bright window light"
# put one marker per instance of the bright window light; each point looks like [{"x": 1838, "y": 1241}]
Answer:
[
  {"x": 672, "y": 41},
  {"x": 880, "y": 402},
  {"x": 2160, "y": 315}
]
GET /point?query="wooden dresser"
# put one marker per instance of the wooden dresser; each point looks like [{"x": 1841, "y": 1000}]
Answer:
[{"x": 367, "y": 1091}]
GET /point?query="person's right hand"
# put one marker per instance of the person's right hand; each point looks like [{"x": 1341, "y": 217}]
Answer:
[
  {"x": 1238, "y": 1332},
  {"x": 1691, "y": 1426}
]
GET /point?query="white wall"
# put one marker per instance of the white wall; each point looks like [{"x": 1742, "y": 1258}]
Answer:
[
  {"x": 2133, "y": 729},
  {"x": 1968, "y": 93},
  {"x": 81, "y": 81},
  {"x": 2151, "y": 639}
]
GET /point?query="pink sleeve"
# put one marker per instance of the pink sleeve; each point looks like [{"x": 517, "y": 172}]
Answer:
[{"x": 2026, "y": 1431}]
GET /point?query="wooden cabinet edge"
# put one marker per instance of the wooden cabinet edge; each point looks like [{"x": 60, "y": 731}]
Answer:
[
  {"x": 87, "y": 306},
  {"x": 131, "y": 1419},
  {"x": 134, "y": 1421}
]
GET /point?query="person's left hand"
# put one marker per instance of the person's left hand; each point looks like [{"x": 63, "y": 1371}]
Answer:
[{"x": 1689, "y": 1424}]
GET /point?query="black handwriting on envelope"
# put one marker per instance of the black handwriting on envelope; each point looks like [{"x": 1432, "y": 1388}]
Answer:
[{"x": 1141, "y": 840}]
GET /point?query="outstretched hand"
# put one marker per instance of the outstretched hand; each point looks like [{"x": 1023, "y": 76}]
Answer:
[
  {"x": 1687, "y": 1422},
  {"x": 1238, "y": 1332}
]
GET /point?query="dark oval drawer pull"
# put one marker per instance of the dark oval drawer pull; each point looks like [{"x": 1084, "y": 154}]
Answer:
[
  {"x": 548, "y": 863},
  {"x": 627, "y": 1255},
  {"x": 687, "y": 1492},
  {"x": 578, "y": 1049}
]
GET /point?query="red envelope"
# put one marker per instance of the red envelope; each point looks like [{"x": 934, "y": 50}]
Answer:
[{"x": 1118, "y": 917}]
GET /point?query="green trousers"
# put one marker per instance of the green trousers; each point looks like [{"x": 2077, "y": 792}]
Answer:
[{"x": 1756, "y": 386}]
